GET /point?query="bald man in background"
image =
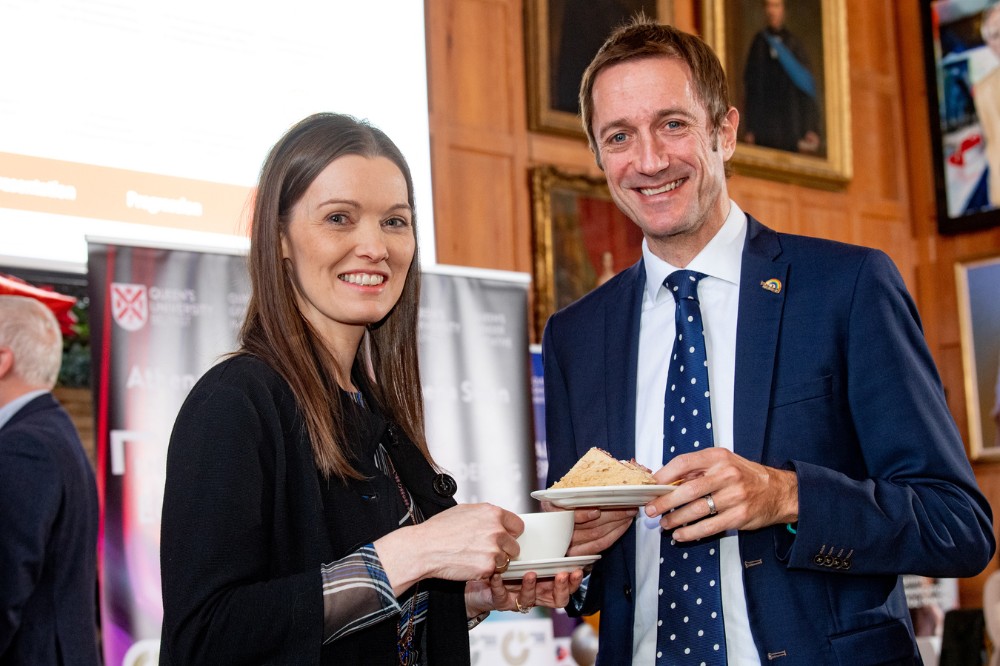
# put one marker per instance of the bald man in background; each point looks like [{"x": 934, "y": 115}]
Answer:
[{"x": 48, "y": 502}]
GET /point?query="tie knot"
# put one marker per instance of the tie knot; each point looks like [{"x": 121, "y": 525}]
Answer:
[{"x": 684, "y": 284}]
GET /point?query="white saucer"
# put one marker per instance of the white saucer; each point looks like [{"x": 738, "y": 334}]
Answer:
[
  {"x": 602, "y": 496},
  {"x": 547, "y": 568}
]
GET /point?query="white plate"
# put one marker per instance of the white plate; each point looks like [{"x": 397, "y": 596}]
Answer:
[
  {"x": 601, "y": 496},
  {"x": 546, "y": 568}
]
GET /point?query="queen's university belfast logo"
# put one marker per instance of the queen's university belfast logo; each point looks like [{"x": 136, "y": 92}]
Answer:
[{"x": 129, "y": 305}]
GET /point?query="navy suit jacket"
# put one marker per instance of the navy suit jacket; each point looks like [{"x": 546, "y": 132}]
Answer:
[
  {"x": 834, "y": 381},
  {"x": 48, "y": 540}
]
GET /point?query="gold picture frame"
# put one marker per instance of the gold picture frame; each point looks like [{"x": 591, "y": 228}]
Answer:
[
  {"x": 580, "y": 239},
  {"x": 979, "y": 325},
  {"x": 555, "y": 66},
  {"x": 820, "y": 28}
]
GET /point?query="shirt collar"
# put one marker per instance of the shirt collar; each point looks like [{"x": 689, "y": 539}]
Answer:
[
  {"x": 721, "y": 258},
  {"x": 8, "y": 411}
]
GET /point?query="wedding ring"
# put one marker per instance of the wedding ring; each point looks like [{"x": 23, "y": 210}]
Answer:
[
  {"x": 521, "y": 609},
  {"x": 503, "y": 567},
  {"x": 712, "y": 510}
]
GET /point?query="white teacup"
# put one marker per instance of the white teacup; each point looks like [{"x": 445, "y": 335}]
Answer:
[{"x": 546, "y": 535}]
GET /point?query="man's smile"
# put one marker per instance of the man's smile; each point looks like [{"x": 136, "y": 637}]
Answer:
[{"x": 665, "y": 188}]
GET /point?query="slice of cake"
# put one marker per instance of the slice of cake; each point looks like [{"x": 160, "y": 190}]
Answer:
[{"x": 599, "y": 468}]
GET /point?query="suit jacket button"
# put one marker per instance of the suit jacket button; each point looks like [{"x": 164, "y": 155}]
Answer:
[{"x": 444, "y": 485}]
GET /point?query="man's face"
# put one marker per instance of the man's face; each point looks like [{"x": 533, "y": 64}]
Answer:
[
  {"x": 664, "y": 162},
  {"x": 775, "y": 10}
]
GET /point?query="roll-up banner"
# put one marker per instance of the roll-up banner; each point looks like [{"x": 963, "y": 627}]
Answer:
[
  {"x": 476, "y": 373},
  {"x": 474, "y": 367},
  {"x": 161, "y": 316}
]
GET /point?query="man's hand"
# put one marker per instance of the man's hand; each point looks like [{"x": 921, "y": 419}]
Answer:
[
  {"x": 596, "y": 529},
  {"x": 746, "y": 495}
]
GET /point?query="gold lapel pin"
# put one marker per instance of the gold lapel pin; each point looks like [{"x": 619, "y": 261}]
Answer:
[{"x": 773, "y": 285}]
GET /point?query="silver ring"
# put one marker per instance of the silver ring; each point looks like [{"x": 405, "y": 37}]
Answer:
[
  {"x": 712, "y": 510},
  {"x": 520, "y": 608}
]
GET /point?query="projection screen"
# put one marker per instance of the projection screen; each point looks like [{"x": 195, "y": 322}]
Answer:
[{"x": 149, "y": 119}]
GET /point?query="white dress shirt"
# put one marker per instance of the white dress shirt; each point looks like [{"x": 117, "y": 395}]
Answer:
[{"x": 718, "y": 294}]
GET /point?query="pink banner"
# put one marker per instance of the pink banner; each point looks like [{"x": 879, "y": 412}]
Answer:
[{"x": 159, "y": 319}]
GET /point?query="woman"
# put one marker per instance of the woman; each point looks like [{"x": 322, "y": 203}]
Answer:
[{"x": 304, "y": 521}]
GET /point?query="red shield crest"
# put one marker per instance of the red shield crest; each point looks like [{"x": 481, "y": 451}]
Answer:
[{"x": 129, "y": 305}]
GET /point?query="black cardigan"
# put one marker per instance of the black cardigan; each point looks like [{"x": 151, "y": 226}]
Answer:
[{"x": 244, "y": 533}]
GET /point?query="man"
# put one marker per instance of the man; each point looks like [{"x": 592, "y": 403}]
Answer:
[
  {"x": 48, "y": 502},
  {"x": 987, "y": 99},
  {"x": 781, "y": 97},
  {"x": 836, "y": 465}
]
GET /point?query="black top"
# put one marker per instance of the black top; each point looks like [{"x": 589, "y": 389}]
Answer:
[{"x": 247, "y": 525}]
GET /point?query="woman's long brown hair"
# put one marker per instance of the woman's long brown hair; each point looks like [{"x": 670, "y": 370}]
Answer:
[{"x": 278, "y": 334}]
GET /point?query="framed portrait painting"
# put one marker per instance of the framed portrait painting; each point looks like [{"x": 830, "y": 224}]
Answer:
[
  {"x": 562, "y": 38},
  {"x": 962, "y": 54},
  {"x": 580, "y": 239},
  {"x": 786, "y": 63},
  {"x": 978, "y": 283}
]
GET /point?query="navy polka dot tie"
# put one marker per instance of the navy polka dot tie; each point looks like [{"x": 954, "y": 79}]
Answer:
[{"x": 690, "y": 628}]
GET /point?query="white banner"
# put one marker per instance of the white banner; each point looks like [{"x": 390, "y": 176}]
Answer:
[{"x": 476, "y": 375}]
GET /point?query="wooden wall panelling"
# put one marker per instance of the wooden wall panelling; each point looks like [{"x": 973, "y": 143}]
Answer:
[
  {"x": 78, "y": 403},
  {"x": 571, "y": 155},
  {"x": 478, "y": 152},
  {"x": 892, "y": 233},
  {"x": 484, "y": 232},
  {"x": 821, "y": 217},
  {"x": 767, "y": 201},
  {"x": 936, "y": 256},
  {"x": 879, "y": 170},
  {"x": 954, "y": 383},
  {"x": 867, "y": 32}
]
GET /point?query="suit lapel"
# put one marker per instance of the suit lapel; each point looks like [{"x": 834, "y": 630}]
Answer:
[
  {"x": 621, "y": 344},
  {"x": 763, "y": 285}
]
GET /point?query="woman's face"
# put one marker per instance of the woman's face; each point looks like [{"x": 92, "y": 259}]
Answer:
[{"x": 349, "y": 245}]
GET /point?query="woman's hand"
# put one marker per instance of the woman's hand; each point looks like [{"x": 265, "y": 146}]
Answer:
[
  {"x": 466, "y": 542},
  {"x": 523, "y": 595}
]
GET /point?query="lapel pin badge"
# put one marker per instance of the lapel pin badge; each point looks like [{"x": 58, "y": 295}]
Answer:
[{"x": 773, "y": 285}]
